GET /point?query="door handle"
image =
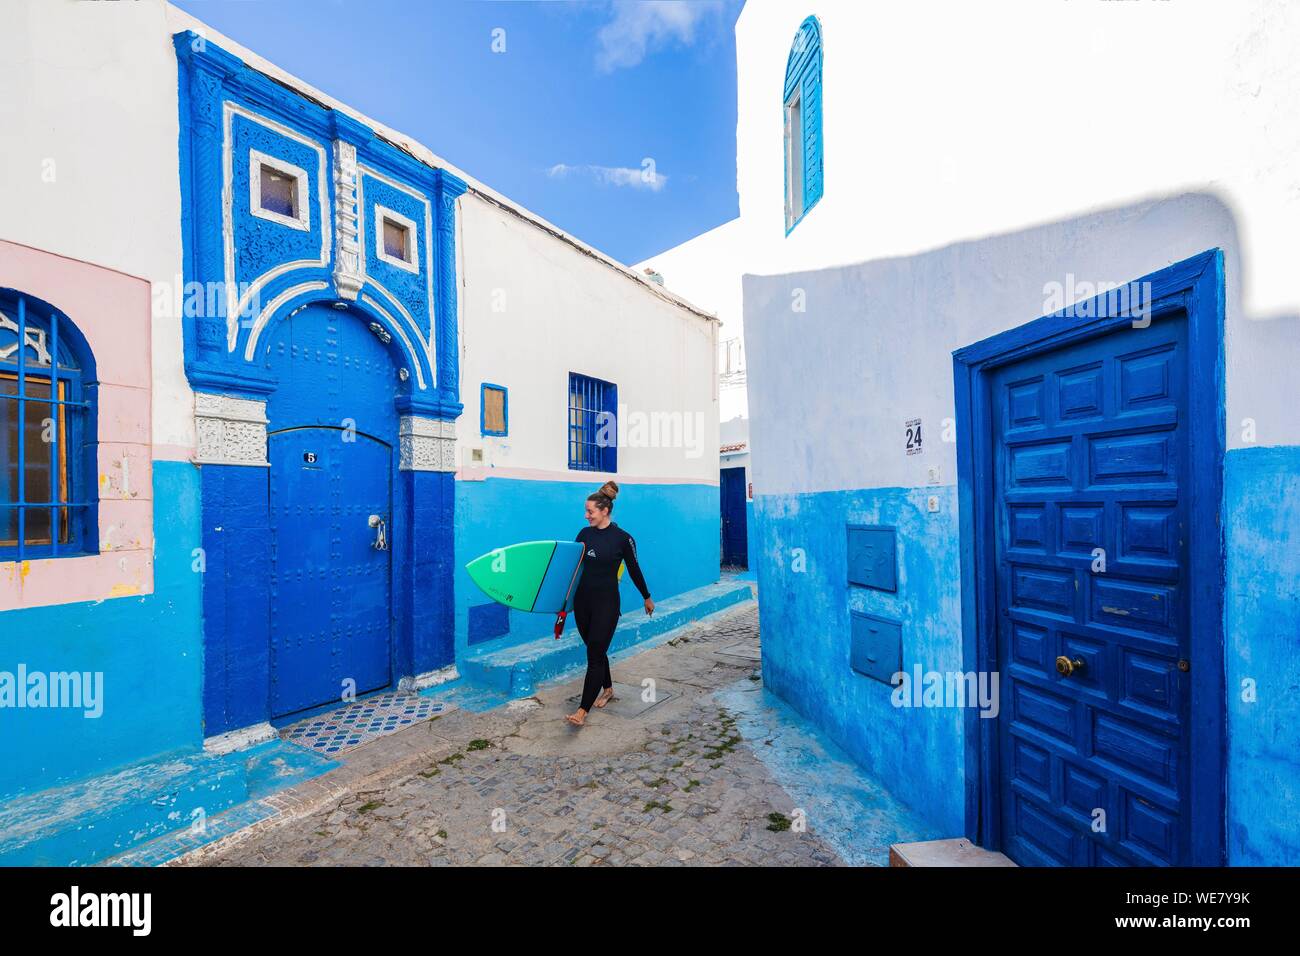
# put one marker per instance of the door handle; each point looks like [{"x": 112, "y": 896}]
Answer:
[
  {"x": 381, "y": 533},
  {"x": 1065, "y": 666}
]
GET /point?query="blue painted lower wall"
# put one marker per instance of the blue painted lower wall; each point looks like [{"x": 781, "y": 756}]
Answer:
[
  {"x": 798, "y": 544},
  {"x": 149, "y": 649},
  {"x": 158, "y": 675},
  {"x": 749, "y": 534},
  {"x": 919, "y": 753},
  {"x": 129, "y": 768},
  {"x": 236, "y": 597},
  {"x": 675, "y": 526},
  {"x": 1262, "y": 631},
  {"x": 428, "y": 604}
]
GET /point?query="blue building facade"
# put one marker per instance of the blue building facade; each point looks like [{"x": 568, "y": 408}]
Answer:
[
  {"x": 324, "y": 394},
  {"x": 327, "y": 402}
]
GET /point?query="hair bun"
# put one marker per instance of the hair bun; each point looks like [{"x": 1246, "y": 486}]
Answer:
[{"x": 609, "y": 489}]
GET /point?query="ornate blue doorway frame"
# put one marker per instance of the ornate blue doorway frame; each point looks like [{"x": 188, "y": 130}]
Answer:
[{"x": 288, "y": 207}]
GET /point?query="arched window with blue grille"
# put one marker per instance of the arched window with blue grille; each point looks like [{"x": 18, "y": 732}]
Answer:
[
  {"x": 803, "y": 123},
  {"x": 47, "y": 433}
]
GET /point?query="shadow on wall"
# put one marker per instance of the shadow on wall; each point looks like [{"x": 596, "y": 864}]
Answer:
[
  {"x": 929, "y": 304},
  {"x": 827, "y": 444}
]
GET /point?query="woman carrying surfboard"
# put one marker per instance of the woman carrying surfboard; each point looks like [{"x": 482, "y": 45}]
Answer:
[{"x": 596, "y": 602}]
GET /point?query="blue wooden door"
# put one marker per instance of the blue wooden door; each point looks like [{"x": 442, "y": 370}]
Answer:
[
  {"x": 735, "y": 533},
  {"x": 330, "y": 601},
  {"x": 1090, "y": 515}
]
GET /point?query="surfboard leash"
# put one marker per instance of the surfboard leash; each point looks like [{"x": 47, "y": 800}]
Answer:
[{"x": 563, "y": 613}]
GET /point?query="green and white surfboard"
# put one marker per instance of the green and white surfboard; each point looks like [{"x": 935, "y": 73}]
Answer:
[{"x": 538, "y": 576}]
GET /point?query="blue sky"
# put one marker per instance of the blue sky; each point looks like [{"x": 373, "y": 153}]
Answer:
[{"x": 561, "y": 122}]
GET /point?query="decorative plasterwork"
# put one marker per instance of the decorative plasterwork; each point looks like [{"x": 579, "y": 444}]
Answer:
[
  {"x": 229, "y": 109},
  {"x": 231, "y": 431},
  {"x": 236, "y": 302},
  {"x": 270, "y": 308},
  {"x": 428, "y": 259},
  {"x": 396, "y": 328},
  {"x": 427, "y": 444},
  {"x": 349, "y": 273}
]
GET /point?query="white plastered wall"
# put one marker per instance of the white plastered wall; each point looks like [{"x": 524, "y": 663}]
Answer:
[
  {"x": 535, "y": 308},
  {"x": 952, "y": 122},
  {"x": 89, "y": 167}
]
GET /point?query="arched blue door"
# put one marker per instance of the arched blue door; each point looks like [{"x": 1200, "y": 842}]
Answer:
[{"x": 331, "y": 509}]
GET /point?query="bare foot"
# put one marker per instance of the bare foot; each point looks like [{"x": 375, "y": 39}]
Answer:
[
  {"x": 577, "y": 718},
  {"x": 605, "y": 697}
]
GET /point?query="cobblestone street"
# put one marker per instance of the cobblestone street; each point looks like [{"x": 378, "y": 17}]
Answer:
[{"x": 678, "y": 784}]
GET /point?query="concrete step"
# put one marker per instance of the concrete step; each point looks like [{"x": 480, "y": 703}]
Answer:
[
  {"x": 80, "y": 823},
  {"x": 516, "y": 669},
  {"x": 118, "y": 812},
  {"x": 954, "y": 852}
]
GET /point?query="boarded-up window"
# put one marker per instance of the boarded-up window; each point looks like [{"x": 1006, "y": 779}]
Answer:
[{"x": 494, "y": 410}]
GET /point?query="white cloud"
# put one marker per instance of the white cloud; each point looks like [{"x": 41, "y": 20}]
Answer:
[
  {"x": 642, "y": 25},
  {"x": 645, "y": 177}
]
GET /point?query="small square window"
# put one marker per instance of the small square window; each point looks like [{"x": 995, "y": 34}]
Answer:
[
  {"x": 396, "y": 240},
  {"x": 279, "y": 193}
]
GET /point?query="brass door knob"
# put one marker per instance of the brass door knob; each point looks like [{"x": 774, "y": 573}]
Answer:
[{"x": 1065, "y": 666}]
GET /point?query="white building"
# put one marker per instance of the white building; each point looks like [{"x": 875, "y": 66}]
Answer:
[{"x": 978, "y": 167}]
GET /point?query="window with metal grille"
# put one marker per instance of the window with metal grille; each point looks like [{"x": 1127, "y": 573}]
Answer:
[
  {"x": 47, "y": 433},
  {"x": 494, "y": 419},
  {"x": 593, "y": 424}
]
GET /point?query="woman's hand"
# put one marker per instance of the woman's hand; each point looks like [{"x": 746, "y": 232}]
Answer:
[{"x": 649, "y": 606}]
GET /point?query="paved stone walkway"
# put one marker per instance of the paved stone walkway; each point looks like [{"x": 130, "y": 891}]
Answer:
[{"x": 674, "y": 785}]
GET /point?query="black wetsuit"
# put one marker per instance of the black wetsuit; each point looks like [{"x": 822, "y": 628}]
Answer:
[{"x": 596, "y": 602}]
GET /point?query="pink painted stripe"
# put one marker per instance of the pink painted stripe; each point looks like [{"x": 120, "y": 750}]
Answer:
[
  {"x": 173, "y": 453},
  {"x": 542, "y": 474},
  {"x": 98, "y": 577}
]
